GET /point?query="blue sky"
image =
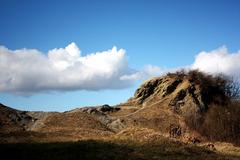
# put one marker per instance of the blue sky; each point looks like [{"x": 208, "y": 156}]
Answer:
[{"x": 163, "y": 33}]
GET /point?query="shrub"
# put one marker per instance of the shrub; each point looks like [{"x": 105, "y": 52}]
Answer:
[
  {"x": 222, "y": 123},
  {"x": 216, "y": 89},
  {"x": 220, "y": 94}
]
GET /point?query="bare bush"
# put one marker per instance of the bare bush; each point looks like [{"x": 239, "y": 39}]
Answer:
[
  {"x": 222, "y": 123},
  {"x": 221, "y": 120},
  {"x": 214, "y": 88}
]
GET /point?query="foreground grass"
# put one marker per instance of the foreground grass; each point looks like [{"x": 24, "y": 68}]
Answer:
[
  {"x": 66, "y": 150},
  {"x": 107, "y": 150}
]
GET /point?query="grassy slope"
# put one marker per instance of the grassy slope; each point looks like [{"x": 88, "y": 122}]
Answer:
[
  {"x": 115, "y": 149},
  {"x": 132, "y": 143}
]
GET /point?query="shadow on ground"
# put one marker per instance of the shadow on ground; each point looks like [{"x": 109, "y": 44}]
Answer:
[{"x": 106, "y": 150}]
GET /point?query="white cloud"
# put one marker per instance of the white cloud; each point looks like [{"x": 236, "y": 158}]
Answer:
[
  {"x": 27, "y": 71},
  {"x": 218, "y": 61},
  {"x": 146, "y": 72}
]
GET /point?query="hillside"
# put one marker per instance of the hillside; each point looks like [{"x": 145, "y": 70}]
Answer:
[
  {"x": 176, "y": 115},
  {"x": 12, "y": 120}
]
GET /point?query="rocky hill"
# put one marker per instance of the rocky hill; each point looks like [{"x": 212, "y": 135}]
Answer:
[
  {"x": 192, "y": 90},
  {"x": 184, "y": 106},
  {"x": 12, "y": 120}
]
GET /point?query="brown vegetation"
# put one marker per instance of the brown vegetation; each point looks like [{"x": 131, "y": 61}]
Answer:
[
  {"x": 221, "y": 123},
  {"x": 221, "y": 120},
  {"x": 178, "y": 115}
]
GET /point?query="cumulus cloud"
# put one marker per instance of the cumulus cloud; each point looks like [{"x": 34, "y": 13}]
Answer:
[
  {"x": 218, "y": 61},
  {"x": 28, "y": 71}
]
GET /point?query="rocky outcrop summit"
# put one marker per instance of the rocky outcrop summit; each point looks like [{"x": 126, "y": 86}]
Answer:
[{"x": 185, "y": 91}]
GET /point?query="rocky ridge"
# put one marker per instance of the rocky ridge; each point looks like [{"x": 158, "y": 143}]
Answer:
[{"x": 160, "y": 103}]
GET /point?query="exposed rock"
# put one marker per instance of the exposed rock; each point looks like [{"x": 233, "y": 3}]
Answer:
[
  {"x": 146, "y": 90},
  {"x": 183, "y": 90},
  {"x": 101, "y": 113},
  {"x": 106, "y": 108},
  {"x": 177, "y": 101},
  {"x": 158, "y": 87},
  {"x": 172, "y": 87},
  {"x": 12, "y": 119},
  {"x": 98, "y": 109}
]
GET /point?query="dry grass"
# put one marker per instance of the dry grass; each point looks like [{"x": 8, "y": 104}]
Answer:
[
  {"x": 145, "y": 134},
  {"x": 131, "y": 143}
]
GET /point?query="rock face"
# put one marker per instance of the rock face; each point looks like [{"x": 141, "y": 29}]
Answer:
[
  {"x": 14, "y": 120},
  {"x": 99, "y": 109},
  {"x": 185, "y": 91},
  {"x": 102, "y": 114}
]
